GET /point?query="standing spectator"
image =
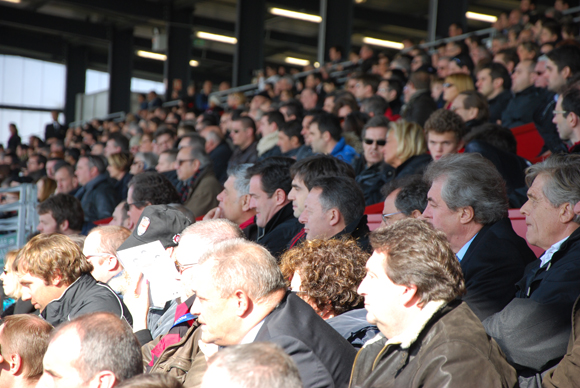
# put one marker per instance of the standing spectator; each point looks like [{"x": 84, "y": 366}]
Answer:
[
  {"x": 14, "y": 139},
  {"x": 54, "y": 129}
]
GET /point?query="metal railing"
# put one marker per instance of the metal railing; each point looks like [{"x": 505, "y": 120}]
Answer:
[{"x": 15, "y": 229}]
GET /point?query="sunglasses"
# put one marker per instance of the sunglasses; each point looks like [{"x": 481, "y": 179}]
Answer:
[
  {"x": 182, "y": 267},
  {"x": 138, "y": 204},
  {"x": 380, "y": 143}
]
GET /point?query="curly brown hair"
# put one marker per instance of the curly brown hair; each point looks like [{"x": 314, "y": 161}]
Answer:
[
  {"x": 330, "y": 270},
  {"x": 444, "y": 120}
]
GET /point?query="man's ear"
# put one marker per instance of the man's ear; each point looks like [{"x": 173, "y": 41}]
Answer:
[
  {"x": 245, "y": 200},
  {"x": 409, "y": 297},
  {"x": 280, "y": 195},
  {"x": 416, "y": 214},
  {"x": 64, "y": 226},
  {"x": 326, "y": 136},
  {"x": 103, "y": 379},
  {"x": 467, "y": 214},
  {"x": 472, "y": 113},
  {"x": 14, "y": 363},
  {"x": 497, "y": 83},
  {"x": 566, "y": 213},
  {"x": 334, "y": 216},
  {"x": 566, "y": 72},
  {"x": 243, "y": 303}
]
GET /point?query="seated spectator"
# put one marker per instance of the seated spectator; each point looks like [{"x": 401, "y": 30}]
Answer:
[
  {"x": 146, "y": 142},
  {"x": 326, "y": 275},
  {"x": 305, "y": 150},
  {"x": 405, "y": 150},
  {"x": 116, "y": 143},
  {"x": 164, "y": 139},
  {"x": 197, "y": 185},
  {"x": 460, "y": 64},
  {"x": 118, "y": 168},
  {"x": 472, "y": 107},
  {"x": 292, "y": 110},
  {"x": 120, "y": 216},
  {"x": 270, "y": 125},
  {"x": 520, "y": 109},
  {"x": 418, "y": 101},
  {"x": 97, "y": 349},
  {"x": 507, "y": 57},
  {"x": 56, "y": 277},
  {"x": 100, "y": 249},
  {"x": 404, "y": 198},
  {"x": 24, "y": 341},
  {"x": 494, "y": 83},
  {"x": 309, "y": 99},
  {"x": 97, "y": 195},
  {"x": 369, "y": 167},
  {"x": 334, "y": 208},
  {"x": 218, "y": 150},
  {"x": 468, "y": 202},
  {"x": 45, "y": 187},
  {"x": 61, "y": 213},
  {"x": 35, "y": 167},
  {"x": 234, "y": 202},
  {"x": 567, "y": 118},
  {"x": 12, "y": 288},
  {"x": 290, "y": 138},
  {"x": 148, "y": 188},
  {"x": 424, "y": 318},
  {"x": 444, "y": 131},
  {"x": 143, "y": 161},
  {"x": 270, "y": 183},
  {"x": 325, "y": 137},
  {"x": 243, "y": 134},
  {"x": 455, "y": 84},
  {"x": 322, "y": 355},
  {"x": 251, "y": 365},
  {"x": 366, "y": 86},
  {"x": 549, "y": 287},
  {"x": 166, "y": 165},
  {"x": 392, "y": 90}
]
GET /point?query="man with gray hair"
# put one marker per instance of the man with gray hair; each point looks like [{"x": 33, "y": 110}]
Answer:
[
  {"x": 242, "y": 298},
  {"x": 234, "y": 201},
  {"x": 468, "y": 202},
  {"x": 533, "y": 329},
  {"x": 198, "y": 186},
  {"x": 251, "y": 366}
]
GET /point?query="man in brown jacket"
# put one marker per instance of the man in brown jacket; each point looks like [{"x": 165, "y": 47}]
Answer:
[{"x": 428, "y": 337}]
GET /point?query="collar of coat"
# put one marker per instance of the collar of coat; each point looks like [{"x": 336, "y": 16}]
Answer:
[{"x": 409, "y": 336}]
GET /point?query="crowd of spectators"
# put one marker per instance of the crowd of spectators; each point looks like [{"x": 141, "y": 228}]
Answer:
[{"x": 263, "y": 268}]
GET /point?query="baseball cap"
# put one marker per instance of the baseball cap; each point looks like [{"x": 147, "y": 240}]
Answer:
[{"x": 160, "y": 222}]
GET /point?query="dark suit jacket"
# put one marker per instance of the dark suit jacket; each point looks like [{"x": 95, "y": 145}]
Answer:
[
  {"x": 492, "y": 265},
  {"x": 51, "y": 131},
  {"x": 323, "y": 357}
]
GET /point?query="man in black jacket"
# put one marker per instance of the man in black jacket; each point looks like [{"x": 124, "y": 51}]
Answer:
[
  {"x": 419, "y": 103},
  {"x": 56, "y": 278},
  {"x": 270, "y": 183},
  {"x": 242, "y": 298},
  {"x": 468, "y": 202}
]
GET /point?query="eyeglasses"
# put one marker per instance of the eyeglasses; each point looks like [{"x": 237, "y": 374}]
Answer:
[
  {"x": 562, "y": 112},
  {"x": 182, "y": 267},
  {"x": 454, "y": 108},
  {"x": 448, "y": 85},
  {"x": 98, "y": 255},
  {"x": 380, "y": 143},
  {"x": 136, "y": 162},
  {"x": 138, "y": 204},
  {"x": 386, "y": 217},
  {"x": 180, "y": 162}
]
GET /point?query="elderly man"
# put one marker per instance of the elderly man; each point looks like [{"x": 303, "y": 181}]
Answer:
[
  {"x": 98, "y": 196},
  {"x": 428, "y": 337},
  {"x": 270, "y": 184},
  {"x": 547, "y": 291},
  {"x": 468, "y": 202},
  {"x": 95, "y": 350},
  {"x": 198, "y": 185},
  {"x": 252, "y": 305},
  {"x": 56, "y": 277},
  {"x": 24, "y": 341},
  {"x": 334, "y": 208}
]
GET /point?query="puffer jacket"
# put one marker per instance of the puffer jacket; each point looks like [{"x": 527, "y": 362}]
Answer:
[{"x": 447, "y": 347}]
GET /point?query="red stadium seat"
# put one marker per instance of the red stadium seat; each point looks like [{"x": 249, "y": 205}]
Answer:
[{"x": 530, "y": 142}]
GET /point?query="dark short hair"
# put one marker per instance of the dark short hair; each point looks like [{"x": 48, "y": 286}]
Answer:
[
  {"x": 295, "y": 108},
  {"x": 474, "y": 99},
  {"x": 163, "y": 130},
  {"x": 342, "y": 193},
  {"x": 317, "y": 166},
  {"x": 247, "y": 122},
  {"x": 395, "y": 84},
  {"x": 375, "y": 104},
  {"x": 70, "y": 169},
  {"x": 413, "y": 194},
  {"x": 494, "y": 134},
  {"x": 510, "y": 55},
  {"x": 498, "y": 70},
  {"x": 41, "y": 159},
  {"x": 275, "y": 117},
  {"x": 444, "y": 120},
  {"x": 566, "y": 55},
  {"x": 571, "y": 101},
  {"x": 274, "y": 172},
  {"x": 107, "y": 344},
  {"x": 371, "y": 80},
  {"x": 120, "y": 141},
  {"x": 154, "y": 188},
  {"x": 420, "y": 80},
  {"x": 419, "y": 255},
  {"x": 293, "y": 128},
  {"x": 63, "y": 207},
  {"x": 328, "y": 123}
]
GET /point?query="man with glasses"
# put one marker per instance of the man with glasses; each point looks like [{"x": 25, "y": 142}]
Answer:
[
  {"x": 198, "y": 186},
  {"x": 567, "y": 118},
  {"x": 405, "y": 197},
  {"x": 370, "y": 166}
]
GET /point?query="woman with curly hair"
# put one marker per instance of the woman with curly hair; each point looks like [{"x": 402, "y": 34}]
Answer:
[{"x": 326, "y": 275}]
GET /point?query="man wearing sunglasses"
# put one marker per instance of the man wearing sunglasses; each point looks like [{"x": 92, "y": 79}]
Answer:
[{"x": 369, "y": 168}]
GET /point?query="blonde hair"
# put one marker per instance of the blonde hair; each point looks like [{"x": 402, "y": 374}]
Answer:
[
  {"x": 462, "y": 82},
  {"x": 121, "y": 161},
  {"x": 410, "y": 139},
  {"x": 8, "y": 261},
  {"x": 48, "y": 188}
]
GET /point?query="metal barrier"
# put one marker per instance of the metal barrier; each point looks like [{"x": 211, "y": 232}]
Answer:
[{"x": 15, "y": 229}]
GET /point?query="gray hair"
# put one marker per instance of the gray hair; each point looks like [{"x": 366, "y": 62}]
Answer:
[
  {"x": 149, "y": 159},
  {"x": 256, "y": 365},
  {"x": 242, "y": 182},
  {"x": 98, "y": 161},
  {"x": 200, "y": 237},
  {"x": 471, "y": 180},
  {"x": 563, "y": 183},
  {"x": 243, "y": 265},
  {"x": 199, "y": 154}
]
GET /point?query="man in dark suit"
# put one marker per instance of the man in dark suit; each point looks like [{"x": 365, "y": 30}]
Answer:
[
  {"x": 468, "y": 202},
  {"x": 242, "y": 298},
  {"x": 54, "y": 129}
]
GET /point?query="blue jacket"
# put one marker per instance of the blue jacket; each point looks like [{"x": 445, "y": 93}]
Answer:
[{"x": 344, "y": 152}]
